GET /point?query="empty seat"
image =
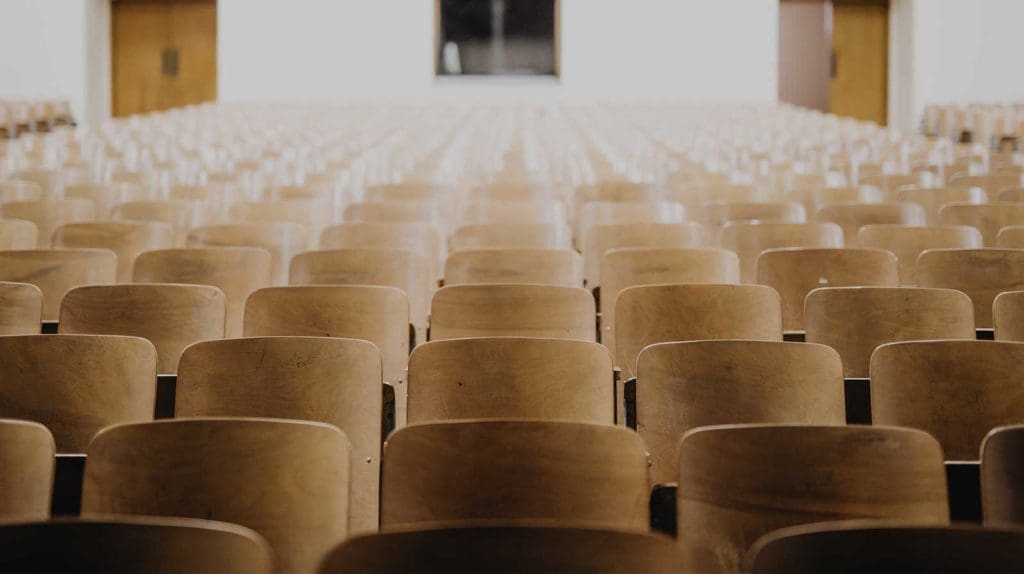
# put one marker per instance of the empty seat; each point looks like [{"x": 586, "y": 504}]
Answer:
[
  {"x": 171, "y": 316},
  {"x": 20, "y": 190},
  {"x": 957, "y": 391},
  {"x": 312, "y": 215},
  {"x": 398, "y": 211},
  {"x": 282, "y": 240},
  {"x": 287, "y": 480},
  {"x": 717, "y": 213},
  {"x": 27, "y": 455},
  {"x": 419, "y": 237},
  {"x": 511, "y": 236},
  {"x": 980, "y": 273},
  {"x": 988, "y": 219},
  {"x": 1008, "y": 316},
  {"x": 907, "y": 242},
  {"x": 628, "y": 212},
  {"x": 1002, "y": 476},
  {"x": 602, "y": 238},
  {"x": 57, "y": 271},
  {"x": 1009, "y": 237},
  {"x": 682, "y": 386},
  {"x": 992, "y": 184},
  {"x": 519, "y": 212},
  {"x": 852, "y": 216},
  {"x": 932, "y": 200},
  {"x": 334, "y": 381},
  {"x": 181, "y": 215},
  {"x": 815, "y": 198},
  {"x": 105, "y": 195},
  {"x": 739, "y": 482},
  {"x": 21, "y": 309},
  {"x": 507, "y": 310},
  {"x": 649, "y": 314},
  {"x": 749, "y": 240},
  {"x": 49, "y": 214},
  {"x": 126, "y": 239},
  {"x": 522, "y": 266},
  {"x": 515, "y": 471},
  {"x": 18, "y": 234}
]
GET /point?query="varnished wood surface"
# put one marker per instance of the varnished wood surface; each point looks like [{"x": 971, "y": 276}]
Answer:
[
  {"x": 18, "y": 234},
  {"x": 313, "y": 215},
  {"x": 126, "y": 239},
  {"x": 181, "y": 215},
  {"x": 511, "y": 236},
  {"x": 1002, "y": 476},
  {"x": 27, "y": 460},
  {"x": 980, "y": 273},
  {"x": 718, "y": 213},
  {"x": 852, "y": 216},
  {"x": 21, "y": 309},
  {"x": 908, "y": 242},
  {"x": 512, "y": 212},
  {"x": 49, "y": 214},
  {"x": 57, "y": 271},
  {"x": 1009, "y": 237},
  {"x": 1008, "y": 316},
  {"x": 601, "y": 238},
  {"x": 814, "y": 198},
  {"x": 419, "y": 237},
  {"x": 749, "y": 240},
  {"x": 988, "y": 219},
  {"x": 282, "y": 240},
  {"x": 403, "y": 211},
  {"x": 521, "y": 266}
]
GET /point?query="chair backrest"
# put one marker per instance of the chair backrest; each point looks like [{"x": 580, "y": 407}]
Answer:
[
  {"x": 507, "y": 310},
  {"x": 932, "y": 199},
  {"x": 877, "y": 547},
  {"x": 406, "y": 191},
  {"x": 992, "y": 184},
  {"x": 511, "y": 549},
  {"x": 980, "y": 273},
  {"x": 20, "y": 190},
  {"x": 908, "y": 242},
  {"x": 682, "y": 386},
  {"x": 515, "y": 471},
  {"x": 28, "y": 460},
  {"x": 171, "y": 316},
  {"x": 282, "y": 240},
  {"x": 749, "y": 240},
  {"x": 739, "y": 482},
  {"x": 649, "y": 314},
  {"x": 852, "y": 216},
  {"x": 503, "y": 377},
  {"x": 312, "y": 215},
  {"x": 511, "y": 236},
  {"x": 392, "y": 211},
  {"x": 1009, "y": 237},
  {"x": 49, "y": 214},
  {"x": 181, "y": 215},
  {"x": 599, "y": 239},
  {"x": 57, "y": 271},
  {"x": 1008, "y": 316},
  {"x": 1009, "y": 194},
  {"x": 21, "y": 309},
  {"x": 126, "y": 239},
  {"x": 512, "y": 212},
  {"x": 717, "y": 213},
  {"x": 957, "y": 391},
  {"x": 329, "y": 380},
  {"x": 856, "y": 320},
  {"x": 1002, "y": 476},
  {"x": 522, "y": 266},
  {"x": 988, "y": 219},
  {"x": 419, "y": 237},
  {"x": 132, "y": 544},
  {"x": 287, "y": 480},
  {"x": 18, "y": 234},
  {"x": 106, "y": 195},
  {"x": 628, "y": 212},
  {"x": 79, "y": 383},
  {"x": 815, "y": 198}
]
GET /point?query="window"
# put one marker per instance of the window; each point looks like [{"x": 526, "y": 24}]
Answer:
[{"x": 497, "y": 38}]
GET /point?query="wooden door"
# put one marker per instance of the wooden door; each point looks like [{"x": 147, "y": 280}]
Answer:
[
  {"x": 860, "y": 65},
  {"x": 164, "y": 54}
]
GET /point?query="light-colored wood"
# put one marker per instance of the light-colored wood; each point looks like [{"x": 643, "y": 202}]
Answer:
[
  {"x": 739, "y": 482},
  {"x": 1008, "y": 316},
  {"x": 1009, "y": 237},
  {"x": 312, "y": 215},
  {"x": 602, "y": 238},
  {"x": 856, "y": 320},
  {"x": 980, "y": 273},
  {"x": 507, "y": 310},
  {"x": 18, "y": 234},
  {"x": 390, "y": 212},
  {"x": 852, "y": 216},
  {"x": 649, "y": 314},
  {"x": 504, "y": 377},
  {"x": 815, "y": 198},
  {"x": 989, "y": 219},
  {"x": 516, "y": 472},
  {"x": 334, "y": 381},
  {"x": 694, "y": 196},
  {"x": 992, "y": 184},
  {"x": 171, "y": 316},
  {"x": 860, "y": 48},
  {"x": 682, "y": 386},
  {"x": 522, "y": 266},
  {"x": 179, "y": 214},
  {"x": 57, "y": 271},
  {"x": 508, "y": 212},
  {"x": 418, "y": 237},
  {"x": 236, "y": 271},
  {"x": 133, "y": 544},
  {"x": 933, "y": 199},
  {"x": 49, "y": 214},
  {"x": 282, "y": 240},
  {"x": 20, "y": 190},
  {"x": 407, "y": 191},
  {"x": 287, "y": 480},
  {"x": 27, "y": 459},
  {"x": 511, "y": 236},
  {"x": 796, "y": 272},
  {"x": 1011, "y": 194},
  {"x": 105, "y": 195},
  {"x": 126, "y": 239},
  {"x": 1002, "y": 476},
  {"x": 79, "y": 383},
  {"x": 957, "y": 391},
  {"x": 717, "y": 213},
  {"x": 908, "y": 242},
  {"x": 21, "y": 308},
  {"x": 49, "y": 181},
  {"x": 749, "y": 240},
  {"x": 627, "y": 212},
  {"x": 509, "y": 549},
  {"x": 879, "y": 546}
]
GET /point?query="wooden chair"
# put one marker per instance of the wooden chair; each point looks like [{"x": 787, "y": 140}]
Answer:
[
  {"x": 1009, "y": 237},
  {"x": 749, "y": 240},
  {"x": 390, "y": 212},
  {"x": 506, "y": 310},
  {"x": 105, "y": 195},
  {"x": 518, "y": 212},
  {"x": 126, "y": 239},
  {"x": 852, "y": 216},
  {"x": 1002, "y": 476},
  {"x": 990, "y": 183},
  {"x": 980, "y": 273},
  {"x": 333, "y": 381},
  {"x": 739, "y": 482},
  {"x": 932, "y": 200},
  {"x": 132, "y": 544},
  {"x": 27, "y": 457},
  {"x": 171, "y": 316},
  {"x": 815, "y": 198},
  {"x": 236, "y": 271},
  {"x": 1011, "y": 195},
  {"x": 522, "y": 266},
  {"x": 650, "y": 314},
  {"x": 989, "y": 219},
  {"x": 796, "y": 272},
  {"x": 878, "y": 546},
  {"x": 511, "y": 236},
  {"x": 407, "y": 191},
  {"x": 717, "y": 213},
  {"x": 181, "y": 215},
  {"x": 682, "y": 386},
  {"x": 602, "y": 238},
  {"x": 907, "y": 242},
  {"x": 510, "y": 549},
  {"x": 80, "y": 383},
  {"x": 287, "y": 480},
  {"x": 516, "y": 472},
  {"x": 505, "y": 377},
  {"x": 49, "y": 214},
  {"x": 856, "y": 320},
  {"x": 16, "y": 234},
  {"x": 57, "y": 271},
  {"x": 313, "y": 215},
  {"x": 957, "y": 391},
  {"x": 282, "y": 240},
  {"x": 628, "y": 212},
  {"x": 20, "y": 190},
  {"x": 418, "y": 237},
  {"x": 1008, "y": 316},
  {"x": 21, "y": 309}
]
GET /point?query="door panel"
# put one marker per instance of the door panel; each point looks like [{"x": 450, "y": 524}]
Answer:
[{"x": 860, "y": 46}]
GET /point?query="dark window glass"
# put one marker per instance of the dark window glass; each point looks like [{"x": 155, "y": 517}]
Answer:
[{"x": 497, "y": 38}]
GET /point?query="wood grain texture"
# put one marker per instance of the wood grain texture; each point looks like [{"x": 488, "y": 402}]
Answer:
[
  {"x": 908, "y": 242},
  {"x": 126, "y": 239},
  {"x": 27, "y": 463},
  {"x": 852, "y": 216},
  {"x": 21, "y": 309},
  {"x": 48, "y": 215},
  {"x": 312, "y": 215},
  {"x": 717, "y": 213},
  {"x": 511, "y": 236},
  {"x": 512, "y": 212},
  {"x": 601, "y": 238},
  {"x": 418, "y": 237},
  {"x": 988, "y": 219},
  {"x": 516, "y": 472},
  {"x": 1009, "y": 237},
  {"x": 749, "y": 240},
  {"x": 282, "y": 240},
  {"x": 955, "y": 390},
  {"x": 334, "y": 381},
  {"x": 1002, "y": 476},
  {"x": 502, "y": 310},
  {"x": 287, "y": 480},
  {"x": 18, "y": 234},
  {"x": 682, "y": 386},
  {"x": 980, "y": 273},
  {"x": 932, "y": 199},
  {"x": 521, "y": 266},
  {"x": 739, "y": 482},
  {"x": 181, "y": 215},
  {"x": 596, "y": 213},
  {"x": 57, "y": 271}
]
